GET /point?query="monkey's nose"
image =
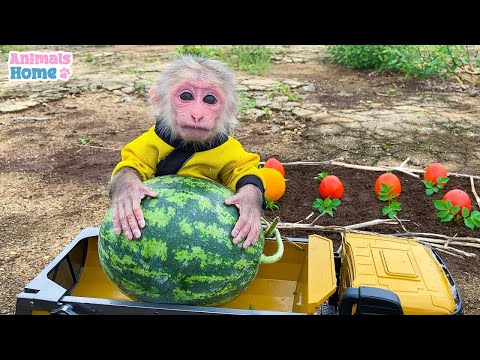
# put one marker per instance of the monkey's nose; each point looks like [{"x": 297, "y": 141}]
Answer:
[{"x": 196, "y": 118}]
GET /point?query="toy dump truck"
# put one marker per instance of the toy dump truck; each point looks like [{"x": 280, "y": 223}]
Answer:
[{"x": 367, "y": 275}]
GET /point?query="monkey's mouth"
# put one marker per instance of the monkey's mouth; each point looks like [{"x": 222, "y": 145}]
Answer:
[{"x": 195, "y": 131}]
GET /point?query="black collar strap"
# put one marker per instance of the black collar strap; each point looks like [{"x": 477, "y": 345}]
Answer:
[{"x": 178, "y": 144}]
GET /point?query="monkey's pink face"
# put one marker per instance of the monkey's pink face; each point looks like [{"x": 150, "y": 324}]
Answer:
[{"x": 198, "y": 106}]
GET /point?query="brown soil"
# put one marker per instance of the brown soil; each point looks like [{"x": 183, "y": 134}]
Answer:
[
  {"x": 52, "y": 186},
  {"x": 359, "y": 204}
]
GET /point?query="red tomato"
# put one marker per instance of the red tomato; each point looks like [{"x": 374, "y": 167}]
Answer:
[
  {"x": 389, "y": 179},
  {"x": 460, "y": 198},
  {"x": 275, "y": 164},
  {"x": 434, "y": 171},
  {"x": 331, "y": 186}
]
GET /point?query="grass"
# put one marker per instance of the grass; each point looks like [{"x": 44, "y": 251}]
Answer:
[
  {"x": 246, "y": 103},
  {"x": 254, "y": 59},
  {"x": 284, "y": 89},
  {"x": 5, "y": 49}
]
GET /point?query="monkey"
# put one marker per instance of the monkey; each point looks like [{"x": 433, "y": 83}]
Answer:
[{"x": 194, "y": 103}]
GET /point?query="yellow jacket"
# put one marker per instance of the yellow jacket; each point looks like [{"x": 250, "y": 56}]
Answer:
[{"x": 224, "y": 161}]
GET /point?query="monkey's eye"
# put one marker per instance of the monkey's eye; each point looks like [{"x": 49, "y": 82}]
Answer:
[
  {"x": 210, "y": 99},
  {"x": 186, "y": 96}
]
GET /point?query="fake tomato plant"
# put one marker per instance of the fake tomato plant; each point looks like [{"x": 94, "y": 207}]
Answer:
[
  {"x": 456, "y": 204},
  {"x": 434, "y": 178},
  {"x": 388, "y": 188},
  {"x": 331, "y": 190},
  {"x": 390, "y": 180}
]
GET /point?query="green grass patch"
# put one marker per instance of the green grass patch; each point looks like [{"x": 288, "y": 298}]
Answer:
[
  {"x": 5, "y": 49},
  {"x": 254, "y": 59},
  {"x": 418, "y": 61}
]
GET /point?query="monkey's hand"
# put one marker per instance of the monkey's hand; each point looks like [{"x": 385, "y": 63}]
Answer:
[
  {"x": 126, "y": 192},
  {"x": 249, "y": 202}
]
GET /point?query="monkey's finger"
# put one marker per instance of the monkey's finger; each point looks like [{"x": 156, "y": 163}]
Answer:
[
  {"x": 137, "y": 211},
  {"x": 236, "y": 230},
  {"x": 242, "y": 231},
  {"x": 132, "y": 218},
  {"x": 148, "y": 192},
  {"x": 124, "y": 222},
  {"x": 252, "y": 236},
  {"x": 232, "y": 200}
]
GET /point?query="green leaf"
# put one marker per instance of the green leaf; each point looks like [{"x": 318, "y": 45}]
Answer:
[
  {"x": 330, "y": 212},
  {"x": 475, "y": 214},
  {"x": 336, "y": 202},
  {"x": 448, "y": 204},
  {"x": 392, "y": 215},
  {"x": 382, "y": 197},
  {"x": 469, "y": 223},
  {"x": 442, "y": 213},
  {"x": 455, "y": 209},
  {"x": 449, "y": 217},
  {"x": 442, "y": 180},
  {"x": 439, "y": 186},
  {"x": 475, "y": 221},
  {"x": 429, "y": 191},
  {"x": 440, "y": 204},
  {"x": 427, "y": 183},
  {"x": 384, "y": 189},
  {"x": 385, "y": 210},
  {"x": 391, "y": 196},
  {"x": 395, "y": 205},
  {"x": 321, "y": 176},
  {"x": 465, "y": 212},
  {"x": 271, "y": 205}
]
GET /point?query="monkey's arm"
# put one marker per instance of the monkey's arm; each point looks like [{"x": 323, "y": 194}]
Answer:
[
  {"x": 241, "y": 168},
  {"x": 244, "y": 176},
  {"x": 139, "y": 159},
  {"x": 142, "y": 154}
]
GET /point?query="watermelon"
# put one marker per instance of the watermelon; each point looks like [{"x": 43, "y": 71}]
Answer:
[{"x": 185, "y": 254}]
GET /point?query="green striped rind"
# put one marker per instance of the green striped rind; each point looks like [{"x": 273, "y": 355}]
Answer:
[{"x": 185, "y": 254}]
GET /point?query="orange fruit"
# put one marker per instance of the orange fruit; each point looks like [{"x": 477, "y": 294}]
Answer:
[
  {"x": 275, "y": 164},
  {"x": 391, "y": 180},
  {"x": 275, "y": 184}
]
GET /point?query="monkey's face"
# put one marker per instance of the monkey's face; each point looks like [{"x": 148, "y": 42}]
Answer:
[{"x": 198, "y": 106}]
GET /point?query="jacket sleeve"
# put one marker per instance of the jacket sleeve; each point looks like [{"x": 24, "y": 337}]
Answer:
[
  {"x": 242, "y": 169},
  {"x": 142, "y": 154}
]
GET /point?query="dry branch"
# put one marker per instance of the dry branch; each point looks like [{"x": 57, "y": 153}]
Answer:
[
  {"x": 450, "y": 253},
  {"x": 432, "y": 235},
  {"x": 334, "y": 228},
  {"x": 474, "y": 191}
]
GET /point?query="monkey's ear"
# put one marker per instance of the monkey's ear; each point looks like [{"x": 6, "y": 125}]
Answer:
[{"x": 154, "y": 98}]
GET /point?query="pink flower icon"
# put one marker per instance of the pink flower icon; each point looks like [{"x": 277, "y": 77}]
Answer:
[{"x": 64, "y": 73}]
